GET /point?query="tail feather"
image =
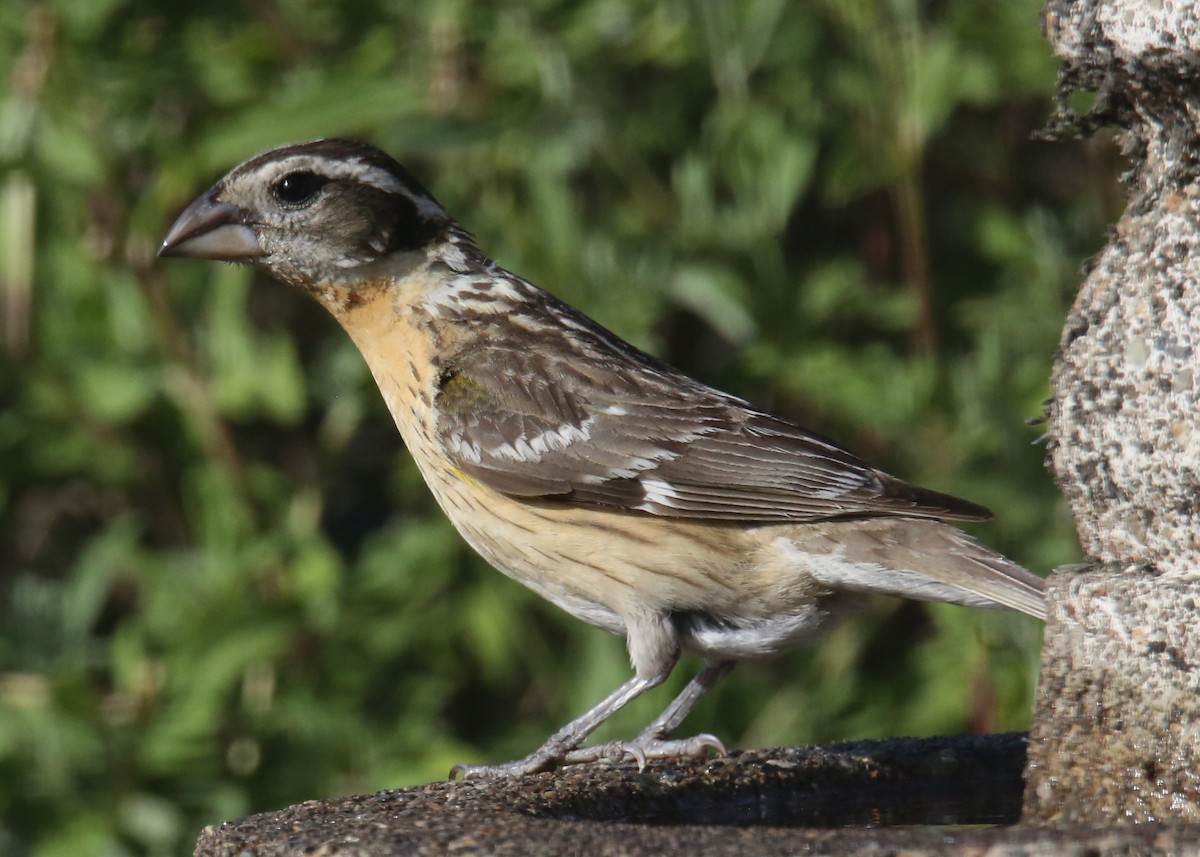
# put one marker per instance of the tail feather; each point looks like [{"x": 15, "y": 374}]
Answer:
[
  {"x": 920, "y": 559},
  {"x": 1000, "y": 579}
]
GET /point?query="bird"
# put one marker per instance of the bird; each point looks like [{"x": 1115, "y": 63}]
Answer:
[{"x": 622, "y": 490}]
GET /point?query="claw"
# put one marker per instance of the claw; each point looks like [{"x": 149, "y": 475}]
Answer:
[
  {"x": 639, "y": 755},
  {"x": 697, "y": 744}
]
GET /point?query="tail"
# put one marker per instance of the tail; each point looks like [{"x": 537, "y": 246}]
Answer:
[{"x": 920, "y": 559}]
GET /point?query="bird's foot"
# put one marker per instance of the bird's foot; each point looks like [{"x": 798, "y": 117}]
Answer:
[
  {"x": 534, "y": 763},
  {"x": 644, "y": 748},
  {"x": 641, "y": 750}
]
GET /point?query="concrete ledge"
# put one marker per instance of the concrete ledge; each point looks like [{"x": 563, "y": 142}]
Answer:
[{"x": 769, "y": 802}]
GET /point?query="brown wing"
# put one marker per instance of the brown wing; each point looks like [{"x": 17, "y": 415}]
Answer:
[{"x": 582, "y": 417}]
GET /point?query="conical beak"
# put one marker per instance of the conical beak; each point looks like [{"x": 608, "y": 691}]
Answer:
[{"x": 210, "y": 229}]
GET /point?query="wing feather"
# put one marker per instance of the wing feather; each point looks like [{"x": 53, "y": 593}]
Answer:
[{"x": 586, "y": 418}]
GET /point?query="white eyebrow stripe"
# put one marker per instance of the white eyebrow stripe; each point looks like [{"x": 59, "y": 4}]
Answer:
[{"x": 355, "y": 169}]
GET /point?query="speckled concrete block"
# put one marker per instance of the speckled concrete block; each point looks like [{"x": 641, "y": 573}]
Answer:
[
  {"x": 1125, "y": 438},
  {"x": 1117, "y": 728},
  {"x": 1109, "y": 745}
]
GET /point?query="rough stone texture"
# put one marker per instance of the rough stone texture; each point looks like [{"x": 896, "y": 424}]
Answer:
[
  {"x": 1116, "y": 733},
  {"x": 1107, "y": 746},
  {"x": 764, "y": 803},
  {"x": 1134, "y": 30},
  {"x": 1125, "y": 439}
]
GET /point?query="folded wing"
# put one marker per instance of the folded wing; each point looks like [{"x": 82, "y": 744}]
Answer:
[{"x": 614, "y": 427}]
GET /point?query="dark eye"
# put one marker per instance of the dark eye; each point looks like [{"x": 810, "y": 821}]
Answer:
[{"x": 298, "y": 189}]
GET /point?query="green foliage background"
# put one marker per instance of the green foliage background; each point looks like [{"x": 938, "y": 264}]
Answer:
[{"x": 223, "y": 587}]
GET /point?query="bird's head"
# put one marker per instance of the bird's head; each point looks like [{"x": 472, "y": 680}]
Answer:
[{"x": 315, "y": 215}]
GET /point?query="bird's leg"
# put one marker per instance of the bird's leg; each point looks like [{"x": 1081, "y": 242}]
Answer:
[
  {"x": 652, "y": 742},
  {"x": 701, "y": 683},
  {"x": 559, "y": 746}
]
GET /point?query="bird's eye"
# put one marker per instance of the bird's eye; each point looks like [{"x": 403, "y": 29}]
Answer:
[{"x": 298, "y": 189}]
